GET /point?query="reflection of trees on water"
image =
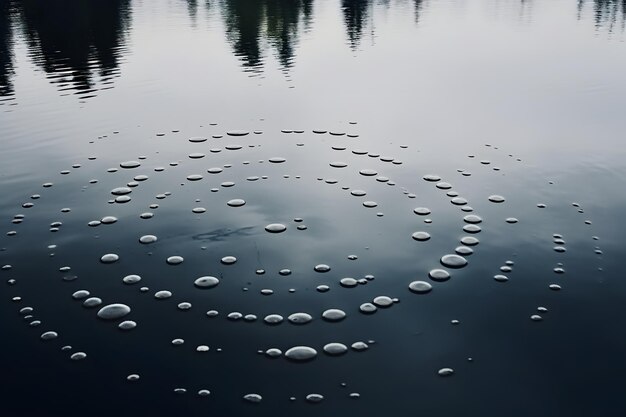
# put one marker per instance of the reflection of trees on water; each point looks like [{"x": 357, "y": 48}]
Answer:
[
  {"x": 251, "y": 24},
  {"x": 355, "y": 14},
  {"x": 609, "y": 14},
  {"x": 78, "y": 44},
  {"x": 6, "y": 53}
]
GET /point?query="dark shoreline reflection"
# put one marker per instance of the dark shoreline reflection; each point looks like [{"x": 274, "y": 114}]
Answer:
[
  {"x": 278, "y": 22},
  {"x": 6, "y": 53},
  {"x": 79, "y": 45}
]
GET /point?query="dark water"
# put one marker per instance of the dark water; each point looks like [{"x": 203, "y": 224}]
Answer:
[{"x": 337, "y": 110}]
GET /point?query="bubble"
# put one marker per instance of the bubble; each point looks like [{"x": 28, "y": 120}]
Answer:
[
  {"x": 453, "y": 261},
  {"x": 273, "y": 319},
  {"x": 421, "y": 211},
  {"x": 146, "y": 239},
  {"x": 301, "y": 353},
  {"x": 206, "y": 282},
  {"x": 127, "y": 325},
  {"x": 420, "y": 287},
  {"x": 131, "y": 279},
  {"x": 334, "y": 314},
  {"x": 445, "y": 372},
  {"x": 49, "y": 335},
  {"x": 321, "y": 268},
  {"x": 335, "y": 349},
  {"x": 421, "y": 236},
  {"x": 113, "y": 311},
  {"x": 300, "y": 318},
  {"x": 162, "y": 295},
  {"x": 496, "y": 198},
  {"x": 276, "y": 228},
  {"x": 109, "y": 258},
  {"x": 130, "y": 164},
  {"x": 175, "y": 260}
]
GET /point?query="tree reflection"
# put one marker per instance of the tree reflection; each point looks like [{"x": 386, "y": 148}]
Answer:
[
  {"x": 251, "y": 23},
  {"x": 6, "y": 53},
  {"x": 75, "y": 41}
]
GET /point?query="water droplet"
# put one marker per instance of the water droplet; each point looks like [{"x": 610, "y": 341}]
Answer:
[
  {"x": 236, "y": 202},
  {"x": 300, "y": 318},
  {"x": 162, "y": 295},
  {"x": 367, "y": 308},
  {"x": 113, "y": 311},
  {"x": 92, "y": 302},
  {"x": 253, "y": 398},
  {"x": 472, "y": 218},
  {"x": 335, "y": 349},
  {"x": 206, "y": 282},
  {"x": 439, "y": 275},
  {"x": 49, "y": 335},
  {"x": 321, "y": 268},
  {"x": 237, "y": 132},
  {"x": 78, "y": 356},
  {"x": 382, "y": 301},
  {"x": 131, "y": 279},
  {"x": 175, "y": 260},
  {"x": 453, "y": 261},
  {"x": 445, "y": 372},
  {"x": 146, "y": 239},
  {"x": 368, "y": 172},
  {"x": 275, "y": 228},
  {"x": 420, "y": 287},
  {"x": 496, "y": 198},
  {"x": 228, "y": 260},
  {"x": 127, "y": 325},
  {"x": 334, "y": 314},
  {"x": 301, "y": 353},
  {"x": 130, "y": 164},
  {"x": 109, "y": 258},
  {"x": 315, "y": 398},
  {"x": 421, "y": 236},
  {"x": 421, "y": 211}
]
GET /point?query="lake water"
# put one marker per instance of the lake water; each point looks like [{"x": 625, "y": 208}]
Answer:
[{"x": 423, "y": 198}]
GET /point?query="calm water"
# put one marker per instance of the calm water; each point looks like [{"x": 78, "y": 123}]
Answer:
[{"x": 282, "y": 146}]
